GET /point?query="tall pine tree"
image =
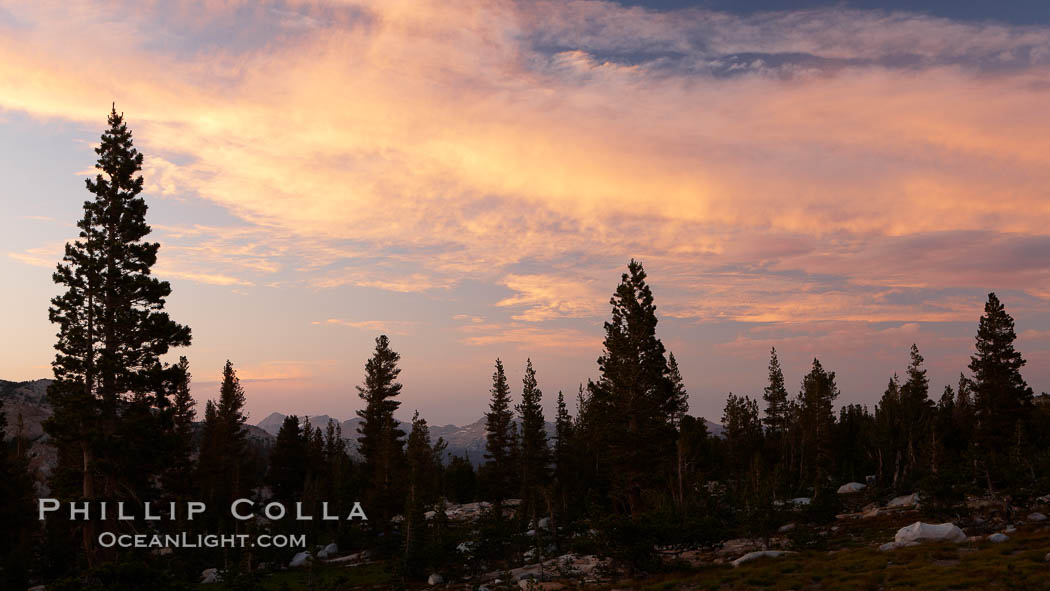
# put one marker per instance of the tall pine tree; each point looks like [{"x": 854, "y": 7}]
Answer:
[
  {"x": 423, "y": 471},
  {"x": 816, "y": 427},
  {"x": 682, "y": 407},
  {"x": 179, "y": 476},
  {"x": 564, "y": 454},
  {"x": 223, "y": 453},
  {"x": 1002, "y": 399},
  {"x": 535, "y": 453},
  {"x": 743, "y": 432},
  {"x": 380, "y": 441},
  {"x": 110, "y": 383},
  {"x": 287, "y": 472},
  {"x": 680, "y": 403},
  {"x": 633, "y": 405},
  {"x": 918, "y": 414},
  {"x": 16, "y": 514},
  {"x": 778, "y": 409},
  {"x": 499, "y": 439},
  {"x": 889, "y": 436}
]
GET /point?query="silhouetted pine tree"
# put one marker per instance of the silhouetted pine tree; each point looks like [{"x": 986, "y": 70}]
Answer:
[
  {"x": 816, "y": 423},
  {"x": 315, "y": 485},
  {"x": 778, "y": 409},
  {"x": 223, "y": 454},
  {"x": 380, "y": 441},
  {"x": 423, "y": 463},
  {"x": 682, "y": 407},
  {"x": 889, "y": 422},
  {"x": 633, "y": 404},
  {"x": 680, "y": 403},
  {"x": 854, "y": 442},
  {"x": 1002, "y": 399},
  {"x": 110, "y": 383},
  {"x": 945, "y": 470},
  {"x": 339, "y": 472},
  {"x": 697, "y": 456},
  {"x": 179, "y": 476},
  {"x": 230, "y": 412},
  {"x": 965, "y": 422},
  {"x": 777, "y": 420},
  {"x": 564, "y": 454},
  {"x": 287, "y": 473},
  {"x": 460, "y": 481},
  {"x": 535, "y": 453},
  {"x": 499, "y": 439},
  {"x": 17, "y": 515},
  {"x": 743, "y": 433},
  {"x": 917, "y": 416}
]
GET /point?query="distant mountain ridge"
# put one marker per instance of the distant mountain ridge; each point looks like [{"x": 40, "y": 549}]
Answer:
[
  {"x": 26, "y": 407},
  {"x": 465, "y": 441}
]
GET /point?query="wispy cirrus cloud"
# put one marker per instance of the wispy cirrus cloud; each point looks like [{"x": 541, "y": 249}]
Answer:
[
  {"x": 39, "y": 257},
  {"x": 833, "y": 122},
  {"x": 528, "y": 337},
  {"x": 542, "y": 297},
  {"x": 399, "y": 327}
]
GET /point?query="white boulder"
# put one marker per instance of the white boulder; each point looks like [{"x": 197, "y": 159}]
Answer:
[
  {"x": 435, "y": 579},
  {"x": 300, "y": 559},
  {"x": 894, "y": 545},
  {"x": 904, "y": 502},
  {"x": 888, "y": 546},
  {"x": 1037, "y": 516},
  {"x": 998, "y": 538},
  {"x": 851, "y": 487},
  {"x": 800, "y": 501},
  {"x": 785, "y": 528},
  {"x": 328, "y": 551},
  {"x": 544, "y": 523},
  {"x": 930, "y": 532},
  {"x": 210, "y": 576},
  {"x": 759, "y": 554}
]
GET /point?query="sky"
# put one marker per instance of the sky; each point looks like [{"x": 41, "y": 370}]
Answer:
[{"x": 835, "y": 179}]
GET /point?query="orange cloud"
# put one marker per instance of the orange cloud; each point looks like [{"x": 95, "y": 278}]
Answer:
[
  {"x": 529, "y": 337},
  {"x": 397, "y": 327},
  {"x": 451, "y": 140},
  {"x": 548, "y": 296}
]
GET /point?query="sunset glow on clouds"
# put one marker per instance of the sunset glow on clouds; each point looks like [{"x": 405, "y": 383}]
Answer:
[{"x": 472, "y": 177}]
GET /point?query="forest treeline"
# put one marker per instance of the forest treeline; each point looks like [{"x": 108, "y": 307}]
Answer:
[{"x": 626, "y": 470}]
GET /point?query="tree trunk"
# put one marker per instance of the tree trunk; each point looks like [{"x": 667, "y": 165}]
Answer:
[
  {"x": 634, "y": 501},
  {"x": 681, "y": 488},
  {"x": 89, "y": 495}
]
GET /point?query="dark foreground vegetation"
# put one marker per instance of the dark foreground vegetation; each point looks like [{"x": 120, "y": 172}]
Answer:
[{"x": 628, "y": 478}]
